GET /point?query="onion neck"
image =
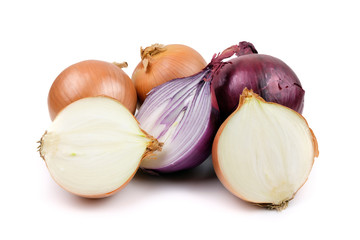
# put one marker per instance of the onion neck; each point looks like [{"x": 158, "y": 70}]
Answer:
[
  {"x": 121, "y": 65},
  {"x": 243, "y": 48},
  {"x": 147, "y": 53}
]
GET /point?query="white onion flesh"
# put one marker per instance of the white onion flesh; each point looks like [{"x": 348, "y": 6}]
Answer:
[
  {"x": 265, "y": 152},
  {"x": 94, "y": 146}
]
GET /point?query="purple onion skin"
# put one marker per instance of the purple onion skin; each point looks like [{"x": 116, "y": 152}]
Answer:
[{"x": 267, "y": 76}]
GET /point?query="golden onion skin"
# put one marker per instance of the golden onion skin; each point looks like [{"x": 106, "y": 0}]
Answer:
[
  {"x": 91, "y": 78},
  {"x": 162, "y": 63}
]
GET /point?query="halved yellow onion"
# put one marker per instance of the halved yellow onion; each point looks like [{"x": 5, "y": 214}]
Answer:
[
  {"x": 263, "y": 153},
  {"x": 94, "y": 147}
]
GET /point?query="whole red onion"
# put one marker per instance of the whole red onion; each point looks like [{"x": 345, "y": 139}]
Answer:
[{"x": 267, "y": 76}]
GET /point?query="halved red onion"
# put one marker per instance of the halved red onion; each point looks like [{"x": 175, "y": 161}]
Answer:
[{"x": 183, "y": 114}]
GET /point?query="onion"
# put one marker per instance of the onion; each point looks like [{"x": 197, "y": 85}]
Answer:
[
  {"x": 263, "y": 153},
  {"x": 94, "y": 147},
  {"x": 88, "y": 79},
  {"x": 267, "y": 76},
  {"x": 162, "y": 63},
  {"x": 184, "y": 115}
]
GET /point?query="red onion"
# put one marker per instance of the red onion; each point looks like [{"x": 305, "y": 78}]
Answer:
[
  {"x": 183, "y": 114},
  {"x": 267, "y": 76}
]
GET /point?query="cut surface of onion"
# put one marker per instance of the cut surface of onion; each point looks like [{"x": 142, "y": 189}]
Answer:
[
  {"x": 94, "y": 147},
  {"x": 263, "y": 153},
  {"x": 180, "y": 113}
]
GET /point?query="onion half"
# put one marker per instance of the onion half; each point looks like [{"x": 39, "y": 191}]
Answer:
[
  {"x": 184, "y": 116},
  {"x": 94, "y": 147},
  {"x": 263, "y": 153}
]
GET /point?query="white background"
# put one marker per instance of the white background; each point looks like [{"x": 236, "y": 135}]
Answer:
[{"x": 39, "y": 39}]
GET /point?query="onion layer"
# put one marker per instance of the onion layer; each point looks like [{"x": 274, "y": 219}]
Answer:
[
  {"x": 162, "y": 63},
  {"x": 91, "y": 78},
  {"x": 94, "y": 147},
  {"x": 263, "y": 153}
]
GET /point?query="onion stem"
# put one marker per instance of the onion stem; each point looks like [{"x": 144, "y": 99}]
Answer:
[
  {"x": 150, "y": 51},
  {"x": 121, "y": 65}
]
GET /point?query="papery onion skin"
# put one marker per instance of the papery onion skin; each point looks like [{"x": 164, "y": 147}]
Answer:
[
  {"x": 160, "y": 66},
  {"x": 215, "y": 150},
  {"x": 267, "y": 76},
  {"x": 91, "y": 78}
]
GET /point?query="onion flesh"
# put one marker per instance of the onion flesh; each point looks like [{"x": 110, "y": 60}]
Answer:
[
  {"x": 94, "y": 147},
  {"x": 263, "y": 153}
]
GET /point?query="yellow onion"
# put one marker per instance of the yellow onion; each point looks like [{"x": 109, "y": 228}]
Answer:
[
  {"x": 162, "y": 63},
  {"x": 91, "y": 78},
  {"x": 94, "y": 147},
  {"x": 263, "y": 153}
]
